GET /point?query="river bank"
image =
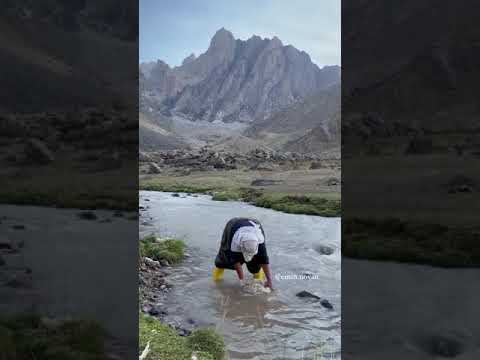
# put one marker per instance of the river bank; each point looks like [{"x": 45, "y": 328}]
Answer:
[
  {"x": 44, "y": 273},
  {"x": 437, "y": 318},
  {"x": 288, "y": 182},
  {"x": 399, "y": 240},
  {"x": 79, "y": 187},
  {"x": 84, "y": 159},
  {"x": 155, "y": 265},
  {"x": 310, "y": 192},
  {"x": 158, "y": 338}
]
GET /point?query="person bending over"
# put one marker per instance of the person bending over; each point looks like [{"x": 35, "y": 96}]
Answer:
[{"x": 243, "y": 241}]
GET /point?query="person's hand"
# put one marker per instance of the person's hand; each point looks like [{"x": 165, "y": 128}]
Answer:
[{"x": 268, "y": 284}]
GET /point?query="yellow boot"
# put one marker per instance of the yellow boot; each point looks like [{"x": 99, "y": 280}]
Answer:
[
  {"x": 259, "y": 275},
  {"x": 217, "y": 273}
]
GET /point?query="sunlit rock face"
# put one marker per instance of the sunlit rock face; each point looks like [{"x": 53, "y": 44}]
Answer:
[{"x": 235, "y": 80}]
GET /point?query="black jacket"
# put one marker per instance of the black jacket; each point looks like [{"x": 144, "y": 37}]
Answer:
[{"x": 226, "y": 258}]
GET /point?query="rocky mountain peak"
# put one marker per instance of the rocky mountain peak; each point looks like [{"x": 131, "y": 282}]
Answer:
[
  {"x": 189, "y": 59},
  {"x": 162, "y": 65},
  {"x": 238, "y": 81},
  {"x": 276, "y": 42},
  {"x": 222, "y": 39}
]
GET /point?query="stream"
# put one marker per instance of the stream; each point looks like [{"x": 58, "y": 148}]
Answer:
[
  {"x": 80, "y": 268},
  {"x": 279, "y": 325}
]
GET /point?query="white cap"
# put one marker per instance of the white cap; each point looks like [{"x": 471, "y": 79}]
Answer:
[{"x": 249, "y": 246}]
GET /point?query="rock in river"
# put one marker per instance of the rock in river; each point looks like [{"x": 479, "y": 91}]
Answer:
[
  {"x": 87, "y": 215},
  {"x": 306, "y": 294},
  {"x": 324, "y": 302},
  {"x": 6, "y": 243},
  {"x": 324, "y": 250},
  {"x": 446, "y": 346}
]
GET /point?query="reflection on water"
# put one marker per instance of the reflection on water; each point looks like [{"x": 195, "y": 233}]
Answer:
[{"x": 262, "y": 326}]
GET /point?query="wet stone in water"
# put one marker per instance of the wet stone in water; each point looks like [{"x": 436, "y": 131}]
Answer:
[
  {"x": 326, "y": 304},
  {"x": 324, "y": 250},
  {"x": 87, "y": 215},
  {"x": 444, "y": 346},
  {"x": 306, "y": 294},
  {"x": 6, "y": 243}
]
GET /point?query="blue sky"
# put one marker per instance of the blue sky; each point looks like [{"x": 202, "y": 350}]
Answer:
[{"x": 171, "y": 30}]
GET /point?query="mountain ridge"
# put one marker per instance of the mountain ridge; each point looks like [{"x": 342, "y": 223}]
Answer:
[
  {"x": 258, "y": 82},
  {"x": 237, "y": 80}
]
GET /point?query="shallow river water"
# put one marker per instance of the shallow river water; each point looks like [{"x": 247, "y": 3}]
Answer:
[
  {"x": 279, "y": 325},
  {"x": 79, "y": 268}
]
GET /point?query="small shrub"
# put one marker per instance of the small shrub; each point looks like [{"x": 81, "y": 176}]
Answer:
[
  {"x": 228, "y": 195},
  {"x": 85, "y": 336},
  {"x": 165, "y": 344},
  {"x": 7, "y": 343},
  {"x": 170, "y": 250},
  {"x": 221, "y": 196},
  {"x": 27, "y": 336},
  {"x": 207, "y": 340},
  {"x": 396, "y": 240},
  {"x": 300, "y": 205},
  {"x": 202, "y": 355}
]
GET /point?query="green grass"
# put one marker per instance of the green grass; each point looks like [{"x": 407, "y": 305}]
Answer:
[
  {"x": 194, "y": 189},
  {"x": 165, "y": 344},
  {"x": 310, "y": 204},
  {"x": 28, "y": 337},
  {"x": 70, "y": 198},
  {"x": 300, "y": 204},
  {"x": 391, "y": 239},
  {"x": 242, "y": 194},
  {"x": 68, "y": 184},
  {"x": 170, "y": 250},
  {"x": 207, "y": 341},
  {"x": 294, "y": 204},
  {"x": 226, "y": 196}
]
